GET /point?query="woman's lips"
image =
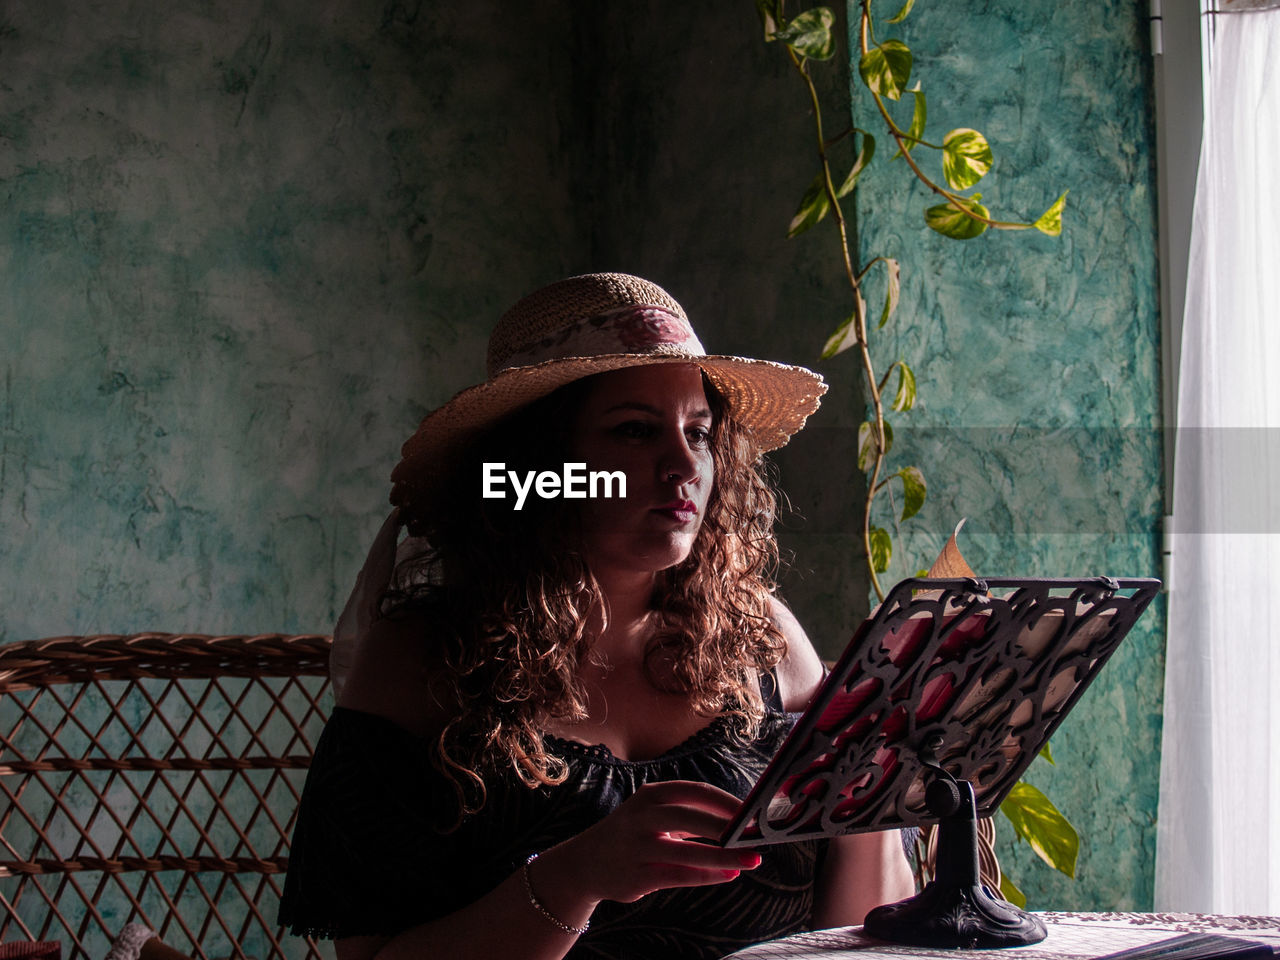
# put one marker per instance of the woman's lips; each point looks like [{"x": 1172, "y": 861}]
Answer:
[{"x": 681, "y": 511}]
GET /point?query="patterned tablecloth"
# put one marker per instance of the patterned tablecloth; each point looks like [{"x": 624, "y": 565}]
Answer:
[{"x": 1072, "y": 936}]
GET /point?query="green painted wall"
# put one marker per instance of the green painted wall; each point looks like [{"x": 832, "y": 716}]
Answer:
[
  {"x": 1037, "y": 363},
  {"x": 245, "y": 246}
]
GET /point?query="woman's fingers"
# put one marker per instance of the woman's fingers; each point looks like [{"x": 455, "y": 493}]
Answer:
[
  {"x": 691, "y": 793},
  {"x": 684, "y": 863},
  {"x": 656, "y": 839},
  {"x": 687, "y": 822},
  {"x": 685, "y": 809},
  {"x": 661, "y": 876},
  {"x": 702, "y": 856}
]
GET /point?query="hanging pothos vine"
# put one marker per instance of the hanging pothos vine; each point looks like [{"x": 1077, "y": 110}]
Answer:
[{"x": 884, "y": 66}]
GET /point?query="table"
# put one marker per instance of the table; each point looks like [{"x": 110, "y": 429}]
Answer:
[{"x": 1072, "y": 936}]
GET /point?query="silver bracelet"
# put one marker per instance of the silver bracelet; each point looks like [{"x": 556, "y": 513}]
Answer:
[{"x": 537, "y": 904}]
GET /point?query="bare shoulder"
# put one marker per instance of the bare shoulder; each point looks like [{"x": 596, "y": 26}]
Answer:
[
  {"x": 800, "y": 672},
  {"x": 395, "y": 676}
]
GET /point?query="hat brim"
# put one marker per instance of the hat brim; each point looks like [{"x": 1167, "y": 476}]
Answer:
[{"x": 771, "y": 400}]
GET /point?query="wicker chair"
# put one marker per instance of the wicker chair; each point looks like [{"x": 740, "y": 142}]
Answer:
[{"x": 154, "y": 779}]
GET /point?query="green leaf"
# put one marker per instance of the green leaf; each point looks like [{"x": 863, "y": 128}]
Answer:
[
  {"x": 867, "y": 443},
  {"x": 902, "y": 14},
  {"x": 864, "y": 157},
  {"x": 950, "y": 222},
  {"x": 846, "y": 335},
  {"x": 810, "y": 34},
  {"x": 813, "y": 207},
  {"x": 1009, "y": 890},
  {"x": 886, "y": 68},
  {"x": 905, "y": 397},
  {"x": 881, "y": 549},
  {"x": 919, "y": 114},
  {"x": 1050, "y": 221},
  {"x": 1044, "y": 752},
  {"x": 1041, "y": 824},
  {"x": 768, "y": 10},
  {"x": 913, "y": 491},
  {"x": 891, "y": 304},
  {"x": 966, "y": 158}
]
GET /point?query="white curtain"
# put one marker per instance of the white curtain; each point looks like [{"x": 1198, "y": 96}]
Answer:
[{"x": 1218, "y": 835}]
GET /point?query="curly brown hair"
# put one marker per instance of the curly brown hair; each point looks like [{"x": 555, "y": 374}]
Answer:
[{"x": 508, "y": 598}]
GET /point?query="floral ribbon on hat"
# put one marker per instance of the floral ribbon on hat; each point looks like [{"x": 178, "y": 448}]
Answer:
[{"x": 641, "y": 329}]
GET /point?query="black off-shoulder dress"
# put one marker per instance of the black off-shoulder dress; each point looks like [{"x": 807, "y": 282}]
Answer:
[{"x": 369, "y": 855}]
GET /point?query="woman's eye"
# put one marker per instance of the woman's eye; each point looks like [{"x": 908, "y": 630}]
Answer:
[
  {"x": 634, "y": 430},
  {"x": 699, "y": 436}
]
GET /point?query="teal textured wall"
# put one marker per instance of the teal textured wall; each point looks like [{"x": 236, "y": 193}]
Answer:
[
  {"x": 1037, "y": 364},
  {"x": 245, "y": 246}
]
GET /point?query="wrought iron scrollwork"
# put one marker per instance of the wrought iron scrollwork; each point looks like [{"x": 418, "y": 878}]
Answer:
[{"x": 980, "y": 672}]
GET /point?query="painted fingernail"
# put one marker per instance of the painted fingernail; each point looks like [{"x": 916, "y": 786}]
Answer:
[
  {"x": 730, "y": 874},
  {"x": 749, "y": 860}
]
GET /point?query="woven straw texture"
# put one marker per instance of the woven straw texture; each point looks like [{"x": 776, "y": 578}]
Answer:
[
  {"x": 545, "y": 311},
  {"x": 772, "y": 400},
  {"x": 154, "y": 778}
]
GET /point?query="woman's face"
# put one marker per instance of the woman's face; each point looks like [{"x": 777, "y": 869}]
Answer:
[{"x": 653, "y": 424}]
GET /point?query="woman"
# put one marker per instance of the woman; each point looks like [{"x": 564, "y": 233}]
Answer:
[{"x": 567, "y": 695}]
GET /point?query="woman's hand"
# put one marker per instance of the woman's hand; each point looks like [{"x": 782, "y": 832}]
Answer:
[
  {"x": 362, "y": 605},
  {"x": 643, "y": 846},
  {"x": 646, "y": 844}
]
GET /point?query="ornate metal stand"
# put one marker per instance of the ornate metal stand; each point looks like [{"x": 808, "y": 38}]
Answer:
[
  {"x": 933, "y": 712},
  {"x": 954, "y": 910}
]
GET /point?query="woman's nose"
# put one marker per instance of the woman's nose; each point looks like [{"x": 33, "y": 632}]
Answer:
[{"x": 679, "y": 463}]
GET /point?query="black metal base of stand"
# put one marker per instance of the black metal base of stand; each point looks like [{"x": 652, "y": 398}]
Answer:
[
  {"x": 954, "y": 918},
  {"x": 955, "y": 910}
]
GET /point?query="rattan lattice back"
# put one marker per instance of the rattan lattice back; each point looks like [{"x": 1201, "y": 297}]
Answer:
[{"x": 155, "y": 778}]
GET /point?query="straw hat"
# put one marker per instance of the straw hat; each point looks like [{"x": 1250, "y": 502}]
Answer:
[{"x": 587, "y": 325}]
